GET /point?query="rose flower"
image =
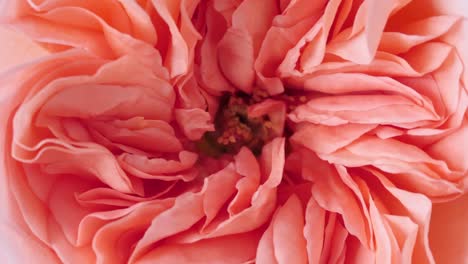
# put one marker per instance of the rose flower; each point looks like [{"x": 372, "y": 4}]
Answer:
[{"x": 234, "y": 131}]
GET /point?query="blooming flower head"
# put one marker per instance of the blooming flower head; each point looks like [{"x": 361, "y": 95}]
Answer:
[{"x": 252, "y": 131}]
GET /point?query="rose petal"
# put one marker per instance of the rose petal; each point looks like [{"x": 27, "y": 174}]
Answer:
[
  {"x": 360, "y": 43},
  {"x": 21, "y": 247},
  {"x": 325, "y": 191},
  {"x": 210, "y": 73},
  {"x": 236, "y": 58},
  {"x": 150, "y": 135},
  {"x": 266, "y": 250},
  {"x": 182, "y": 41},
  {"x": 194, "y": 122},
  {"x": 160, "y": 165},
  {"x": 230, "y": 249},
  {"x": 364, "y": 109},
  {"x": 247, "y": 166},
  {"x": 327, "y": 139},
  {"x": 276, "y": 111},
  {"x": 314, "y": 230},
  {"x": 289, "y": 222},
  {"x": 448, "y": 235},
  {"x": 123, "y": 233}
]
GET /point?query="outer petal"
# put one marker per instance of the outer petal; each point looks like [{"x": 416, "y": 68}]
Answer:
[
  {"x": 448, "y": 234},
  {"x": 233, "y": 249}
]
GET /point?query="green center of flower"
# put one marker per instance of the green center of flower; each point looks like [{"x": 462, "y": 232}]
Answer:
[{"x": 235, "y": 129}]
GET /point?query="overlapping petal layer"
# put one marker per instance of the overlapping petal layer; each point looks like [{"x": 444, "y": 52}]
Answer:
[{"x": 364, "y": 105}]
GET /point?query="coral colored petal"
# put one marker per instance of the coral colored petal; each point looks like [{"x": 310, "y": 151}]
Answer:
[
  {"x": 325, "y": 193},
  {"x": 276, "y": 111},
  {"x": 177, "y": 57},
  {"x": 106, "y": 41},
  {"x": 405, "y": 232},
  {"x": 31, "y": 250},
  {"x": 66, "y": 251},
  {"x": 236, "y": 59},
  {"x": 228, "y": 249},
  {"x": 210, "y": 73},
  {"x": 364, "y": 109},
  {"x": 289, "y": 222},
  {"x": 327, "y": 139},
  {"x": 190, "y": 92},
  {"x": 107, "y": 196},
  {"x": 452, "y": 149},
  {"x": 122, "y": 234},
  {"x": 187, "y": 210},
  {"x": 17, "y": 49},
  {"x": 314, "y": 230},
  {"x": 335, "y": 83},
  {"x": 415, "y": 33},
  {"x": 194, "y": 122},
  {"x": 247, "y": 166},
  {"x": 150, "y": 135},
  {"x": 224, "y": 183},
  {"x": 383, "y": 250},
  {"x": 266, "y": 251},
  {"x": 160, "y": 165},
  {"x": 433, "y": 177},
  {"x": 360, "y": 44},
  {"x": 448, "y": 234},
  {"x": 262, "y": 201}
]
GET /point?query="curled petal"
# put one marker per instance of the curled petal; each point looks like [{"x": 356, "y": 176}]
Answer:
[
  {"x": 194, "y": 122},
  {"x": 327, "y": 139},
  {"x": 173, "y": 22},
  {"x": 363, "y": 109},
  {"x": 276, "y": 111},
  {"x": 231, "y": 249},
  {"x": 287, "y": 222}
]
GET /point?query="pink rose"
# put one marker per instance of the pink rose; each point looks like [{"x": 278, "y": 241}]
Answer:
[{"x": 234, "y": 131}]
